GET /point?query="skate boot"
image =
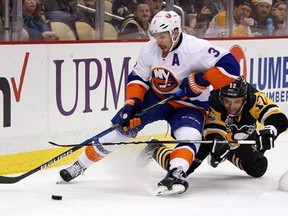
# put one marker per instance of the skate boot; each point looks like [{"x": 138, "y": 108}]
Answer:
[
  {"x": 72, "y": 172},
  {"x": 173, "y": 183},
  {"x": 146, "y": 155}
]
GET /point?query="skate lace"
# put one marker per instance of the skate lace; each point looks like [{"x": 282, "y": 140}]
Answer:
[
  {"x": 179, "y": 173},
  {"x": 75, "y": 170}
]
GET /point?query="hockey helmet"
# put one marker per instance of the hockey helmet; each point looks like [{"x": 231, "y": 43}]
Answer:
[
  {"x": 165, "y": 21},
  {"x": 236, "y": 89}
]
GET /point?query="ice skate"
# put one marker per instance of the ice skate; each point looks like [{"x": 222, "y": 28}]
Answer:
[
  {"x": 173, "y": 183},
  {"x": 146, "y": 155},
  {"x": 71, "y": 172}
]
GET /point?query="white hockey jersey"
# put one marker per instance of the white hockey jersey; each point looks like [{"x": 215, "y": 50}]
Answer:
[{"x": 191, "y": 54}]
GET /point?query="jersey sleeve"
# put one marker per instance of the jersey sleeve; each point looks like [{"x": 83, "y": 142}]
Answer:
[
  {"x": 138, "y": 79},
  {"x": 268, "y": 113},
  {"x": 225, "y": 71},
  {"x": 136, "y": 87},
  {"x": 220, "y": 67}
]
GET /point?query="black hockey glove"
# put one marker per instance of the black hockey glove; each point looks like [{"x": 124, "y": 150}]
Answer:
[
  {"x": 193, "y": 85},
  {"x": 126, "y": 117},
  {"x": 219, "y": 152},
  {"x": 266, "y": 137}
]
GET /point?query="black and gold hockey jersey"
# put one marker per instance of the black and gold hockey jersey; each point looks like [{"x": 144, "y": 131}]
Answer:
[{"x": 257, "y": 109}]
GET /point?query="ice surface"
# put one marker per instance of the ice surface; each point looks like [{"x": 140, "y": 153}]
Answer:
[{"x": 115, "y": 186}]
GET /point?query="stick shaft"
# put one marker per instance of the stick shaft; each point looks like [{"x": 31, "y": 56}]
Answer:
[{"x": 240, "y": 142}]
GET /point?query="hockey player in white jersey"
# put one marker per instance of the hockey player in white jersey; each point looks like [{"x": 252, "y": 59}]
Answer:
[{"x": 170, "y": 62}]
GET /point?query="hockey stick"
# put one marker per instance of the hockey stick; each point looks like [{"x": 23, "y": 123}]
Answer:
[
  {"x": 14, "y": 179},
  {"x": 238, "y": 142}
]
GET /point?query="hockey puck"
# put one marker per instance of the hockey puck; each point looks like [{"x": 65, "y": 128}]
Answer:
[{"x": 56, "y": 197}]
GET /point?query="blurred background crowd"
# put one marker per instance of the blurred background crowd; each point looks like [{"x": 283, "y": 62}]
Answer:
[{"x": 30, "y": 20}]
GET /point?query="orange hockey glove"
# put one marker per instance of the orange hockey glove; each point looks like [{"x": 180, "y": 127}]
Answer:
[
  {"x": 194, "y": 84},
  {"x": 127, "y": 116}
]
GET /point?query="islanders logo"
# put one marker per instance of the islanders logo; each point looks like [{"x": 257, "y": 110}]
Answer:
[
  {"x": 163, "y": 79},
  {"x": 239, "y": 54}
]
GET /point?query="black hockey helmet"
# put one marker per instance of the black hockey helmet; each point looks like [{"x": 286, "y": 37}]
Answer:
[{"x": 236, "y": 89}]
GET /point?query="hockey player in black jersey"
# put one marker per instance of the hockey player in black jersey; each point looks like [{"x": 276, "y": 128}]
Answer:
[{"x": 236, "y": 112}]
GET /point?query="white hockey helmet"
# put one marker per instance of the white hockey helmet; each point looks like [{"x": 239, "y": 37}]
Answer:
[{"x": 165, "y": 21}]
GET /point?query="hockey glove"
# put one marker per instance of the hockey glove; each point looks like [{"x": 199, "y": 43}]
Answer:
[
  {"x": 266, "y": 138},
  {"x": 127, "y": 117},
  {"x": 193, "y": 85},
  {"x": 219, "y": 152}
]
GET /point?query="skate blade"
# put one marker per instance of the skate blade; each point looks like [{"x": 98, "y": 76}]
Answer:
[
  {"x": 61, "y": 181},
  {"x": 164, "y": 191}
]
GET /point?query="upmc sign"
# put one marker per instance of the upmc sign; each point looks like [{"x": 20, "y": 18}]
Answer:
[
  {"x": 63, "y": 88},
  {"x": 76, "y": 78},
  {"x": 94, "y": 72}
]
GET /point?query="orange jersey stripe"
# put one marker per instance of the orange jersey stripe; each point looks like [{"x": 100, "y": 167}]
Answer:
[
  {"x": 135, "y": 90},
  {"x": 184, "y": 153},
  {"x": 217, "y": 78}
]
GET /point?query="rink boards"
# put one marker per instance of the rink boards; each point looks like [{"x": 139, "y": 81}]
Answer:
[{"x": 68, "y": 92}]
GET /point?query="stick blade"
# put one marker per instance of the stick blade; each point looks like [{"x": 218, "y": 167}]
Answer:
[{"x": 9, "y": 180}]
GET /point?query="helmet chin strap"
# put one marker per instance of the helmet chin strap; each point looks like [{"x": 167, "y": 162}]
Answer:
[{"x": 173, "y": 41}]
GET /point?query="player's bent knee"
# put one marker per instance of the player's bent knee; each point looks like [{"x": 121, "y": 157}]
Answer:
[
  {"x": 187, "y": 133},
  {"x": 258, "y": 168}
]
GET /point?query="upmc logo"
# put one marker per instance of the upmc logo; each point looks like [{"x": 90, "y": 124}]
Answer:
[
  {"x": 17, "y": 89},
  {"x": 238, "y": 53}
]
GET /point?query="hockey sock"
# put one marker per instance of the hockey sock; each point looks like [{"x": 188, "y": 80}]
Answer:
[{"x": 162, "y": 156}]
